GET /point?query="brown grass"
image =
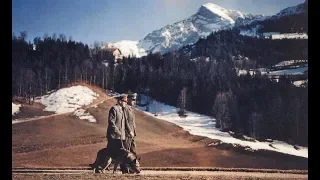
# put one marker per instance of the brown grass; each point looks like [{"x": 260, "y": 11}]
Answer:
[{"x": 64, "y": 141}]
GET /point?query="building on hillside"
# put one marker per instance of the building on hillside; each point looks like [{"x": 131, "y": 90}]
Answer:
[{"x": 116, "y": 53}]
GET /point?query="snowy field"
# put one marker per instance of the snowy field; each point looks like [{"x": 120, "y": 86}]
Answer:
[
  {"x": 274, "y": 35},
  {"x": 67, "y": 99},
  {"x": 296, "y": 71},
  {"x": 287, "y": 63},
  {"x": 299, "y": 83},
  {"x": 15, "y": 108},
  {"x": 202, "y": 125},
  {"x": 290, "y": 36}
]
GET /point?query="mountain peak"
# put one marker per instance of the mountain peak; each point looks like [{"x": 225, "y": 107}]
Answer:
[
  {"x": 209, "y": 18},
  {"x": 217, "y": 10},
  {"x": 212, "y": 5}
]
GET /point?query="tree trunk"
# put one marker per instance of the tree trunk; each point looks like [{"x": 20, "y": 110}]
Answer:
[
  {"x": 46, "y": 70},
  {"x": 66, "y": 76},
  {"x": 75, "y": 76},
  {"x": 49, "y": 82},
  {"x": 29, "y": 94},
  {"x": 103, "y": 77},
  {"x": 297, "y": 119},
  {"x": 86, "y": 75},
  {"x": 20, "y": 86},
  {"x": 182, "y": 101},
  {"x": 40, "y": 84},
  {"x": 59, "y": 84}
]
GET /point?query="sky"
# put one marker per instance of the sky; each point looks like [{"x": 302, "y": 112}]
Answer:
[{"x": 114, "y": 20}]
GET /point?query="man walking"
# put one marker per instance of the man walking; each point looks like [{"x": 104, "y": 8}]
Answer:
[
  {"x": 131, "y": 131},
  {"x": 116, "y": 133},
  {"x": 117, "y": 124}
]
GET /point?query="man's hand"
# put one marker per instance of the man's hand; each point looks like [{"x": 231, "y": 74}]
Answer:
[{"x": 131, "y": 134}]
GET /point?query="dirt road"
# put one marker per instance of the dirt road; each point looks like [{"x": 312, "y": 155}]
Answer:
[{"x": 151, "y": 175}]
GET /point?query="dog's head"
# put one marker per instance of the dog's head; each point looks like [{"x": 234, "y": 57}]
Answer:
[{"x": 135, "y": 165}]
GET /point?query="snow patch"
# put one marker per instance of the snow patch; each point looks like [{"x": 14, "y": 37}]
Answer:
[
  {"x": 219, "y": 11},
  {"x": 290, "y": 36},
  {"x": 295, "y": 71},
  {"x": 15, "y": 108},
  {"x": 299, "y": 83},
  {"x": 267, "y": 34},
  {"x": 213, "y": 26},
  {"x": 285, "y": 63},
  {"x": 202, "y": 125},
  {"x": 250, "y": 32},
  {"x": 68, "y": 99},
  {"x": 82, "y": 114},
  {"x": 204, "y": 34},
  {"x": 146, "y": 44}
]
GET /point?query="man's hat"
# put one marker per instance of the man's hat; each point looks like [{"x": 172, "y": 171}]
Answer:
[
  {"x": 122, "y": 97},
  {"x": 132, "y": 96}
]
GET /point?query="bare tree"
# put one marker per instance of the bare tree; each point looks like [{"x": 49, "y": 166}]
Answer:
[
  {"x": 226, "y": 112},
  {"x": 103, "y": 77},
  {"x": 255, "y": 120},
  {"x": 30, "y": 80},
  {"x": 66, "y": 72},
  {"x": 182, "y": 102},
  {"x": 76, "y": 71},
  {"x": 59, "y": 79}
]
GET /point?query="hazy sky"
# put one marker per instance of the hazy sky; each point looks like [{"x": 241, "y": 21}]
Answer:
[{"x": 114, "y": 20}]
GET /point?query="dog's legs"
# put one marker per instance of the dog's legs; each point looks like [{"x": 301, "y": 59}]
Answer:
[
  {"x": 107, "y": 164},
  {"x": 96, "y": 163},
  {"x": 124, "y": 168},
  {"x": 127, "y": 169},
  {"x": 115, "y": 165}
]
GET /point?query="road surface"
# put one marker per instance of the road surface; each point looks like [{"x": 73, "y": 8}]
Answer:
[{"x": 187, "y": 173}]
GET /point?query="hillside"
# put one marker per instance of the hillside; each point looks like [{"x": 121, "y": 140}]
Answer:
[
  {"x": 66, "y": 141},
  {"x": 289, "y": 20}
]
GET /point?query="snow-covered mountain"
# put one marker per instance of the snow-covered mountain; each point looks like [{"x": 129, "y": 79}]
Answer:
[
  {"x": 209, "y": 17},
  {"x": 279, "y": 22},
  {"x": 291, "y": 10},
  {"x": 250, "y": 18}
]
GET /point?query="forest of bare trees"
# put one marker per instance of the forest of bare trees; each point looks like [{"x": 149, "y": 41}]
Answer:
[{"x": 53, "y": 62}]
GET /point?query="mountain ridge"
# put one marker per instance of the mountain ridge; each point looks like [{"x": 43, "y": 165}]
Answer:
[{"x": 208, "y": 18}]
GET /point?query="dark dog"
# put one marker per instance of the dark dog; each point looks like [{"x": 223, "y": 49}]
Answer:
[
  {"x": 102, "y": 162},
  {"x": 129, "y": 160}
]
